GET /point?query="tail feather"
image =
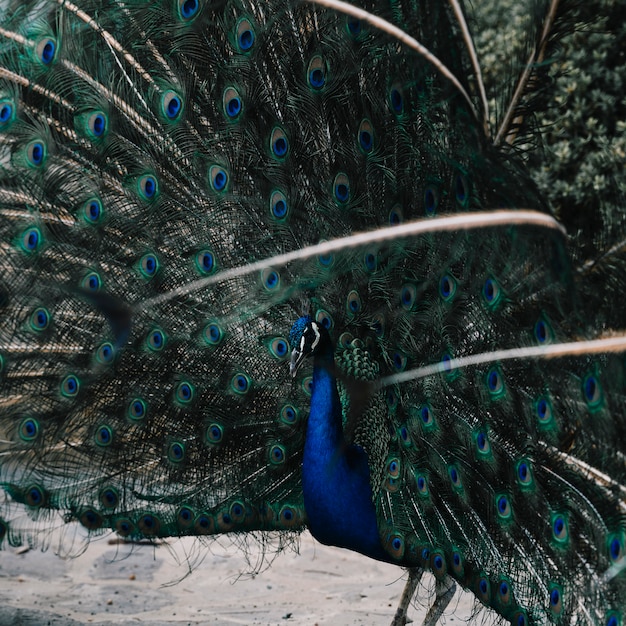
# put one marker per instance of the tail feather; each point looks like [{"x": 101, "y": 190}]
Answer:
[{"x": 160, "y": 168}]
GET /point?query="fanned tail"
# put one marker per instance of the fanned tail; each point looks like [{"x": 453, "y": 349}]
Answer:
[{"x": 166, "y": 171}]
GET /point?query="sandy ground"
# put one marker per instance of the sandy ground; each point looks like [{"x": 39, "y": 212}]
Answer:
[{"x": 113, "y": 584}]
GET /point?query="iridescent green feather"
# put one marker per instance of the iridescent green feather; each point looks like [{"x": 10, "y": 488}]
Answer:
[{"x": 156, "y": 160}]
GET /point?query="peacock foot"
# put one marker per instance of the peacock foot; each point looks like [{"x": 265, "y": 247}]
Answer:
[{"x": 444, "y": 591}]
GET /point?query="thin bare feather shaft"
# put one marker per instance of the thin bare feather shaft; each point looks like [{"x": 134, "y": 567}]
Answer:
[
  {"x": 471, "y": 50},
  {"x": 462, "y": 222},
  {"x": 110, "y": 40},
  {"x": 400, "y": 35},
  {"x": 557, "y": 350},
  {"x": 137, "y": 120},
  {"x": 15, "y": 37},
  {"x": 13, "y": 77},
  {"x": 599, "y": 477},
  {"x": 615, "y": 570},
  {"x": 575, "y": 491},
  {"x": 24, "y": 82},
  {"x": 536, "y": 56},
  {"x": 612, "y": 251}
]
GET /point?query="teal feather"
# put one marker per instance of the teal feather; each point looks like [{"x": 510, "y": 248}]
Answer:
[{"x": 166, "y": 171}]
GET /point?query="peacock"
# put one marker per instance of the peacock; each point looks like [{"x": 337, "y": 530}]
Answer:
[{"x": 269, "y": 265}]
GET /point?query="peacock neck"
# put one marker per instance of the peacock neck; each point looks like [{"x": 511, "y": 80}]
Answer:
[
  {"x": 335, "y": 475},
  {"x": 325, "y": 429}
]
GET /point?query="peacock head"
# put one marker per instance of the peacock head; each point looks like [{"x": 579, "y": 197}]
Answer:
[{"x": 305, "y": 337}]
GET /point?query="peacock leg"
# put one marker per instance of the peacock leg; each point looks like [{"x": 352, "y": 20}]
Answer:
[
  {"x": 444, "y": 590},
  {"x": 415, "y": 575}
]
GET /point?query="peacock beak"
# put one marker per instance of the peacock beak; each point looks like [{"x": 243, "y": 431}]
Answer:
[{"x": 296, "y": 360}]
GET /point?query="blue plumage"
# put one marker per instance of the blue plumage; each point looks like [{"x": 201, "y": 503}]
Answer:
[{"x": 336, "y": 481}]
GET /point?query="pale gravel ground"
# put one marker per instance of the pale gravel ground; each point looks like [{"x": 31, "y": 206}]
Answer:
[{"x": 110, "y": 584}]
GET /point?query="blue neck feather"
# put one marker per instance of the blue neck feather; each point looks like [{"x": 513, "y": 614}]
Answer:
[{"x": 335, "y": 475}]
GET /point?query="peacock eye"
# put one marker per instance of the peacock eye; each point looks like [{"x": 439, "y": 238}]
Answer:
[
  {"x": 36, "y": 153},
  {"x": 232, "y": 103},
  {"x": 105, "y": 353},
  {"x": 483, "y": 590},
  {"x": 438, "y": 564},
  {"x": 176, "y": 452},
  {"x": 90, "y": 519},
  {"x": 156, "y": 340},
  {"x": 104, "y": 436},
  {"x": 289, "y": 414},
  {"x": 399, "y": 361},
  {"x": 92, "y": 210},
  {"x": 29, "y": 430},
  {"x": 39, "y": 319},
  {"x": 324, "y": 318},
  {"x": 214, "y": 433},
  {"x": 366, "y": 136},
  {"x": 97, "y": 124},
  {"x": 504, "y": 592},
  {"x": 426, "y": 415},
  {"x": 482, "y": 443},
  {"x": 370, "y": 261},
  {"x": 341, "y": 188},
  {"x": 70, "y": 386},
  {"x": 592, "y": 391},
  {"x": 188, "y": 9},
  {"x": 270, "y": 279},
  {"x": 279, "y": 143},
  {"x": 461, "y": 188},
  {"x": 46, "y": 50},
  {"x": 148, "y": 187},
  {"x": 431, "y": 200},
  {"x": 316, "y": 73},
  {"x": 396, "y": 99},
  {"x": 353, "y": 302},
  {"x": 491, "y": 291},
  {"x": 278, "y": 348},
  {"x": 205, "y": 261},
  {"x": 616, "y": 548},
  {"x": 422, "y": 485},
  {"x": 240, "y": 384},
  {"x": 184, "y": 392},
  {"x": 495, "y": 384},
  {"x": 91, "y": 282},
  {"x": 354, "y": 26},
  {"x": 279, "y": 206},
  {"x": 7, "y": 112},
  {"x": 447, "y": 287},
  {"x": 395, "y": 215},
  {"x": 109, "y": 498},
  {"x": 31, "y": 240},
  {"x": 559, "y": 528},
  {"x": 503, "y": 507},
  {"x": 218, "y": 178},
  {"x": 149, "y": 524},
  {"x": 556, "y": 599},
  {"x": 455, "y": 477},
  {"x": 137, "y": 409},
  {"x": 148, "y": 265},
  {"x": 171, "y": 105},
  {"x": 277, "y": 454},
  {"x": 35, "y": 496},
  {"x": 245, "y": 35},
  {"x": 213, "y": 333}
]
